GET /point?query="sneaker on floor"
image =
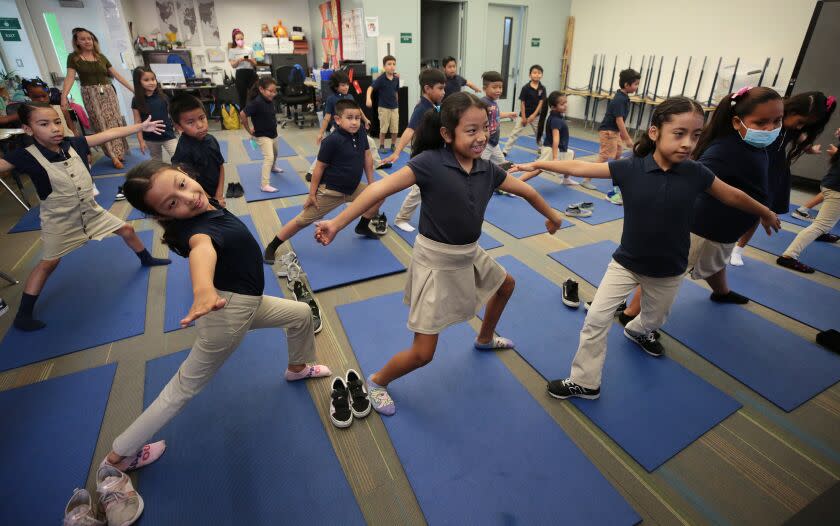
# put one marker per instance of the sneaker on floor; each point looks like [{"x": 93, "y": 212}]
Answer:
[
  {"x": 588, "y": 185},
  {"x": 286, "y": 259},
  {"x": 404, "y": 226},
  {"x": 381, "y": 224},
  {"x": 570, "y": 293},
  {"x": 615, "y": 198},
  {"x": 802, "y": 214},
  {"x": 828, "y": 238},
  {"x": 308, "y": 177},
  {"x": 80, "y": 510},
  {"x": 730, "y": 297},
  {"x": 624, "y": 319},
  {"x": 576, "y": 211},
  {"x": 123, "y": 506},
  {"x": 340, "y": 413},
  {"x": 359, "y": 402},
  {"x": 584, "y": 205},
  {"x": 569, "y": 181},
  {"x": 380, "y": 399},
  {"x": 794, "y": 264},
  {"x": 4, "y": 307},
  {"x": 231, "y": 191},
  {"x": 737, "y": 259},
  {"x": 648, "y": 342},
  {"x": 302, "y": 293},
  {"x": 292, "y": 274},
  {"x": 238, "y": 190},
  {"x": 566, "y": 388},
  {"x": 120, "y": 195},
  {"x": 365, "y": 230}
]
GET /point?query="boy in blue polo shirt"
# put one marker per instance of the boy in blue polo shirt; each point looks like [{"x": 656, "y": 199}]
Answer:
[
  {"x": 454, "y": 81},
  {"x": 387, "y": 87},
  {"x": 196, "y": 147},
  {"x": 342, "y": 157},
  {"x": 493, "y": 86},
  {"x": 532, "y": 97}
]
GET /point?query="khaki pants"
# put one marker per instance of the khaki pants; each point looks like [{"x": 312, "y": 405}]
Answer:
[
  {"x": 389, "y": 120},
  {"x": 519, "y": 129},
  {"x": 219, "y": 334},
  {"x": 826, "y": 218},
  {"x": 610, "y": 147},
  {"x": 268, "y": 147},
  {"x": 326, "y": 201},
  {"x": 657, "y": 297},
  {"x": 409, "y": 204},
  {"x": 156, "y": 148},
  {"x": 493, "y": 154}
]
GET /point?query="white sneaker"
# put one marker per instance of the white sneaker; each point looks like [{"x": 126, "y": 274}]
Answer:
[
  {"x": 569, "y": 181},
  {"x": 80, "y": 510},
  {"x": 404, "y": 226},
  {"x": 285, "y": 260},
  {"x": 122, "y": 504},
  {"x": 736, "y": 259},
  {"x": 292, "y": 274},
  {"x": 95, "y": 190}
]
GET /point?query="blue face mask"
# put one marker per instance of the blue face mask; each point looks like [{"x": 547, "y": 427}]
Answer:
[{"x": 760, "y": 138}]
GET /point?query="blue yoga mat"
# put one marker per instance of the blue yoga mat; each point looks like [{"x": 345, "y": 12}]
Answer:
[
  {"x": 31, "y": 220},
  {"x": 559, "y": 196},
  {"x": 591, "y": 147},
  {"x": 103, "y": 165},
  {"x": 49, "y": 436},
  {"x": 348, "y": 259},
  {"x": 477, "y": 449},
  {"x": 79, "y": 311},
  {"x": 518, "y": 156},
  {"x": 288, "y": 183},
  {"x": 677, "y": 407},
  {"x": 822, "y": 256},
  {"x": 179, "y": 291},
  {"x": 516, "y": 217},
  {"x": 789, "y": 218},
  {"x": 255, "y": 154},
  {"x": 777, "y": 364},
  {"x": 401, "y": 161},
  {"x": 527, "y": 142},
  {"x": 262, "y": 455},
  {"x": 787, "y": 292}
]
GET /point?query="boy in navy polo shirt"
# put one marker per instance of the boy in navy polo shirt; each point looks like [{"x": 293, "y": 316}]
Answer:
[
  {"x": 342, "y": 157},
  {"x": 493, "y": 86},
  {"x": 387, "y": 87},
  {"x": 454, "y": 81},
  {"x": 613, "y": 132},
  {"x": 196, "y": 147},
  {"x": 556, "y": 142},
  {"x": 532, "y": 96}
]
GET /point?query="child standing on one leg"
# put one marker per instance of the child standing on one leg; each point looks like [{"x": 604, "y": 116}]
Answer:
[
  {"x": 450, "y": 276},
  {"x": 494, "y": 84},
  {"x": 431, "y": 86},
  {"x": 70, "y": 217},
  {"x": 454, "y": 81},
  {"x": 613, "y": 130},
  {"x": 556, "y": 142},
  {"x": 263, "y": 127},
  {"x": 149, "y": 100},
  {"x": 197, "y": 148},
  {"x": 335, "y": 180},
  {"x": 532, "y": 98},
  {"x": 227, "y": 280},
  {"x": 654, "y": 247},
  {"x": 387, "y": 88}
]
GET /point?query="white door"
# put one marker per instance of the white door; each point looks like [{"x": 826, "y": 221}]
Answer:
[
  {"x": 54, "y": 31},
  {"x": 504, "y": 50}
]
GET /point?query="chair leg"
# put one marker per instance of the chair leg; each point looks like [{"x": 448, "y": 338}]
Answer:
[{"x": 11, "y": 280}]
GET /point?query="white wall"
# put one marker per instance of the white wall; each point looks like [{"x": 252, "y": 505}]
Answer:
[
  {"x": 395, "y": 18},
  {"x": 14, "y": 51},
  {"x": 750, "y": 29}
]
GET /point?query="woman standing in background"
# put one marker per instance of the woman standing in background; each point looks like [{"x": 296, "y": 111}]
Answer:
[{"x": 242, "y": 60}]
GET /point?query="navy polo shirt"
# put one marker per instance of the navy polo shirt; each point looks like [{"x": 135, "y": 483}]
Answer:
[
  {"x": 531, "y": 97},
  {"x": 493, "y": 122},
  {"x": 419, "y": 110},
  {"x": 619, "y": 106},
  {"x": 778, "y": 172},
  {"x": 453, "y": 85},
  {"x": 453, "y": 201},
  {"x": 263, "y": 116},
  {"x": 158, "y": 108},
  {"x": 738, "y": 164},
  {"x": 344, "y": 155},
  {"x": 831, "y": 180},
  {"x": 657, "y": 213},
  {"x": 204, "y": 157},
  {"x": 329, "y": 106},
  {"x": 239, "y": 265},
  {"x": 555, "y": 121},
  {"x": 25, "y": 163},
  {"x": 387, "y": 91}
]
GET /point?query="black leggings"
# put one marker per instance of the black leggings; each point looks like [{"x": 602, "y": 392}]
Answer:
[{"x": 245, "y": 78}]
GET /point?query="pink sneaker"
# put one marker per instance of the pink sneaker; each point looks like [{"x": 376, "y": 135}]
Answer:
[
  {"x": 147, "y": 454},
  {"x": 122, "y": 504}
]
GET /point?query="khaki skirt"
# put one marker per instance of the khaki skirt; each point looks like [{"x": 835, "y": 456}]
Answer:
[{"x": 448, "y": 284}]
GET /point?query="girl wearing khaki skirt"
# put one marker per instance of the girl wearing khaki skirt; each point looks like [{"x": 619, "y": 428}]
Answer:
[
  {"x": 450, "y": 277},
  {"x": 70, "y": 217}
]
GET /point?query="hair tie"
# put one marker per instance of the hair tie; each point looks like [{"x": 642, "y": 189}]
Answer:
[
  {"x": 739, "y": 93},
  {"x": 830, "y": 102},
  {"x": 235, "y": 31}
]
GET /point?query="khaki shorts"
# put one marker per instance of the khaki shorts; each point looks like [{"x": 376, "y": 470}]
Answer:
[
  {"x": 327, "y": 201},
  {"x": 706, "y": 258},
  {"x": 389, "y": 120}
]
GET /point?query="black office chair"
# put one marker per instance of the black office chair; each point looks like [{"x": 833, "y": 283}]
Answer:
[{"x": 298, "y": 98}]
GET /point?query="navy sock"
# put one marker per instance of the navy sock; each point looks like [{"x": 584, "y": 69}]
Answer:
[
  {"x": 24, "y": 320},
  {"x": 147, "y": 260}
]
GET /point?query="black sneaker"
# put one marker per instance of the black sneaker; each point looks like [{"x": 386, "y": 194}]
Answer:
[
  {"x": 570, "y": 293},
  {"x": 238, "y": 190},
  {"x": 804, "y": 216},
  {"x": 384, "y": 166},
  {"x": 231, "y": 191},
  {"x": 794, "y": 264},
  {"x": 734, "y": 297},
  {"x": 624, "y": 319},
  {"x": 567, "y": 389},
  {"x": 308, "y": 177},
  {"x": 303, "y": 294},
  {"x": 364, "y": 230},
  {"x": 120, "y": 195},
  {"x": 381, "y": 224},
  {"x": 828, "y": 238},
  {"x": 340, "y": 413},
  {"x": 648, "y": 342},
  {"x": 359, "y": 402}
]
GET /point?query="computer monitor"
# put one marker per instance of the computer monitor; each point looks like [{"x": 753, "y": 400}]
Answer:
[
  {"x": 278, "y": 60},
  {"x": 162, "y": 57},
  {"x": 169, "y": 73}
]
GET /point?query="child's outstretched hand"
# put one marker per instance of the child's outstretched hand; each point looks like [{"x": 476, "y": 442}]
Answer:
[
  {"x": 151, "y": 126},
  {"x": 310, "y": 201},
  {"x": 831, "y": 150},
  {"x": 523, "y": 167},
  {"x": 771, "y": 222},
  {"x": 325, "y": 232},
  {"x": 553, "y": 225},
  {"x": 203, "y": 303}
]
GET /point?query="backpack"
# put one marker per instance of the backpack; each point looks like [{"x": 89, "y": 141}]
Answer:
[{"x": 230, "y": 117}]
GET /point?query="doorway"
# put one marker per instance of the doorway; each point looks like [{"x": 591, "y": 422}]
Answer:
[
  {"x": 441, "y": 32},
  {"x": 504, "y": 49}
]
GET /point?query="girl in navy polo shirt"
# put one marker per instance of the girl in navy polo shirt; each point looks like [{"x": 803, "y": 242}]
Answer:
[
  {"x": 263, "y": 126},
  {"x": 450, "y": 276},
  {"x": 148, "y": 100},
  {"x": 654, "y": 248},
  {"x": 227, "y": 278}
]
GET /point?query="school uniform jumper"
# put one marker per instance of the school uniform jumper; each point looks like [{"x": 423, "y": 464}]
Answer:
[{"x": 412, "y": 200}]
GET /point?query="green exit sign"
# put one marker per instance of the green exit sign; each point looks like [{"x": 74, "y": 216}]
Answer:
[
  {"x": 405, "y": 38},
  {"x": 535, "y": 42},
  {"x": 9, "y": 23},
  {"x": 10, "y": 35}
]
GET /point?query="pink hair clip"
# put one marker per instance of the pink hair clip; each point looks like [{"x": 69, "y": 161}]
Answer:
[
  {"x": 739, "y": 93},
  {"x": 830, "y": 102}
]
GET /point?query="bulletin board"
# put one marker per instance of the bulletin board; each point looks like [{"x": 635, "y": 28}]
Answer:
[{"x": 353, "y": 34}]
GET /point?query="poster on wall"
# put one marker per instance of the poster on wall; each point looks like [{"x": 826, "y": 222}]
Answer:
[
  {"x": 116, "y": 26},
  {"x": 188, "y": 20},
  {"x": 207, "y": 22},
  {"x": 330, "y": 33},
  {"x": 167, "y": 18},
  {"x": 353, "y": 34},
  {"x": 372, "y": 26}
]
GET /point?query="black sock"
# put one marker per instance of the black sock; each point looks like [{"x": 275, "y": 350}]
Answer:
[
  {"x": 147, "y": 260},
  {"x": 24, "y": 320},
  {"x": 729, "y": 297},
  {"x": 272, "y": 248}
]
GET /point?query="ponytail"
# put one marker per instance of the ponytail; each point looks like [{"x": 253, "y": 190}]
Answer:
[
  {"x": 427, "y": 136},
  {"x": 262, "y": 82},
  {"x": 662, "y": 114},
  {"x": 739, "y": 104}
]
